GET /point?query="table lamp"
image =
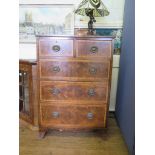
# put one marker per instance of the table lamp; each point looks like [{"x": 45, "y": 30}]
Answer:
[{"x": 92, "y": 9}]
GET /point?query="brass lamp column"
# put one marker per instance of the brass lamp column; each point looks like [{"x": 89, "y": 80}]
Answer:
[{"x": 92, "y": 9}]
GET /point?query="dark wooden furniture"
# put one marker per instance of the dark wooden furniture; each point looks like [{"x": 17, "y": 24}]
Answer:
[
  {"x": 28, "y": 99},
  {"x": 74, "y": 82}
]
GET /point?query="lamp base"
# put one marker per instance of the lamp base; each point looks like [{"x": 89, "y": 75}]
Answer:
[
  {"x": 89, "y": 13},
  {"x": 90, "y": 32}
]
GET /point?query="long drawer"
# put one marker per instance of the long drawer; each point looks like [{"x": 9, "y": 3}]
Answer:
[
  {"x": 78, "y": 70},
  {"x": 55, "y": 47},
  {"x": 73, "y": 116},
  {"x": 73, "y": 91}
]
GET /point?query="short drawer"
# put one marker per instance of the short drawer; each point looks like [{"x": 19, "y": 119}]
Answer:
[
  {"x": 93, "y": 48},
  {"x": 73, "y": 91},
  {"x": 55, "y": 47},
  {"x": 73, "y": 116},
  {"x": 74, "y": 70}
]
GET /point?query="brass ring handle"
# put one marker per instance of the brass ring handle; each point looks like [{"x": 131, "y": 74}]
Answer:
[
  {"x": 91, "y": 92},
  {"x": 55, "y": 114},
  {"x": 90, "y": 115},
  {"x": 56, "y": 69},
  {"x": 55, "y": 91},
  {"x": 56, "y": 48},
  {"x": 92, "y": 70},
  {"x": 94, "y": 49}
]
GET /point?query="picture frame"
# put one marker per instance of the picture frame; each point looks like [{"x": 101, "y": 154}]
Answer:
[
  {"x": 41, "y": 19},
  {"x": 116, "y": 33}
]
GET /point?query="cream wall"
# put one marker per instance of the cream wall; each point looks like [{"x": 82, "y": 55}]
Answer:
[{"x": 116, "y": 8}]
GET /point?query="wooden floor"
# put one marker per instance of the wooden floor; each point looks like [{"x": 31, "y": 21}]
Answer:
[{"x": 70, "y": 143}]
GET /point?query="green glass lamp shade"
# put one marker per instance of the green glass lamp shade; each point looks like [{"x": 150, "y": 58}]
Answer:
[{"x": 97, "y": 6}]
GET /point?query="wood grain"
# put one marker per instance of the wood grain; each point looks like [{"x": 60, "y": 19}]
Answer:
[
  {"x": 74, "y": 117},
  {"x": 84, "y": 48},
  {"x": 30, "y": 66},
  {"x": 110, "y": 142},
  {"x": 75, "y": 70},
  {"x": 46, "y": 47},
  {"x": 81, "y": 91},
  {"x": 27, "y": 68},
  {"x": 74, "y": 81}
]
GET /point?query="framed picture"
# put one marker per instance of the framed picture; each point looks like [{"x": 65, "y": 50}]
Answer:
[
  {"x": 116, "y": 33},
  {"x": 45, "y": 19}
]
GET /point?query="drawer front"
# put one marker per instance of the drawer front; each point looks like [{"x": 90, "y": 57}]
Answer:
[
  {"x": 78, "y": 116},
  {"x": 74, "y": 70},
  {"x": 56, "y": 47},
  {"x": 92, "y": 48},
  {"x": 73, "y": 91}
]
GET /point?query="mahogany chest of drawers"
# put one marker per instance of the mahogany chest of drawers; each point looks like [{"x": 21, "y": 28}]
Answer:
[{"x": 74, "y": 82}]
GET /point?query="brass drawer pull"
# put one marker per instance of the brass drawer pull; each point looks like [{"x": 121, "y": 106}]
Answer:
[
  {"x": 92, "y": 70},
  {"x": 56, "y": 69},
  {"x": 94, "y": 49},
  {"x": 56, "y": 48},
  {"x": 90, "y": 115},
  {"x": 55, "y": 91},
  {"x": 91, "y": 92},
  {"x": 55, "y": 114}
]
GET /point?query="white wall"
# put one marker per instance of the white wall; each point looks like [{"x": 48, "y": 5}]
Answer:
[
  {"x": 27, "y": 51},
  {"x": 114, "y": 82}
]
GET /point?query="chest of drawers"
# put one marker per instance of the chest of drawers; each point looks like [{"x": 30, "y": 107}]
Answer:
[{"x": 74, "y": 82}]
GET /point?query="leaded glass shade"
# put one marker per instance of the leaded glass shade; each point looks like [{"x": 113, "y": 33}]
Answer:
[{"x": 99, "y": 9}]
